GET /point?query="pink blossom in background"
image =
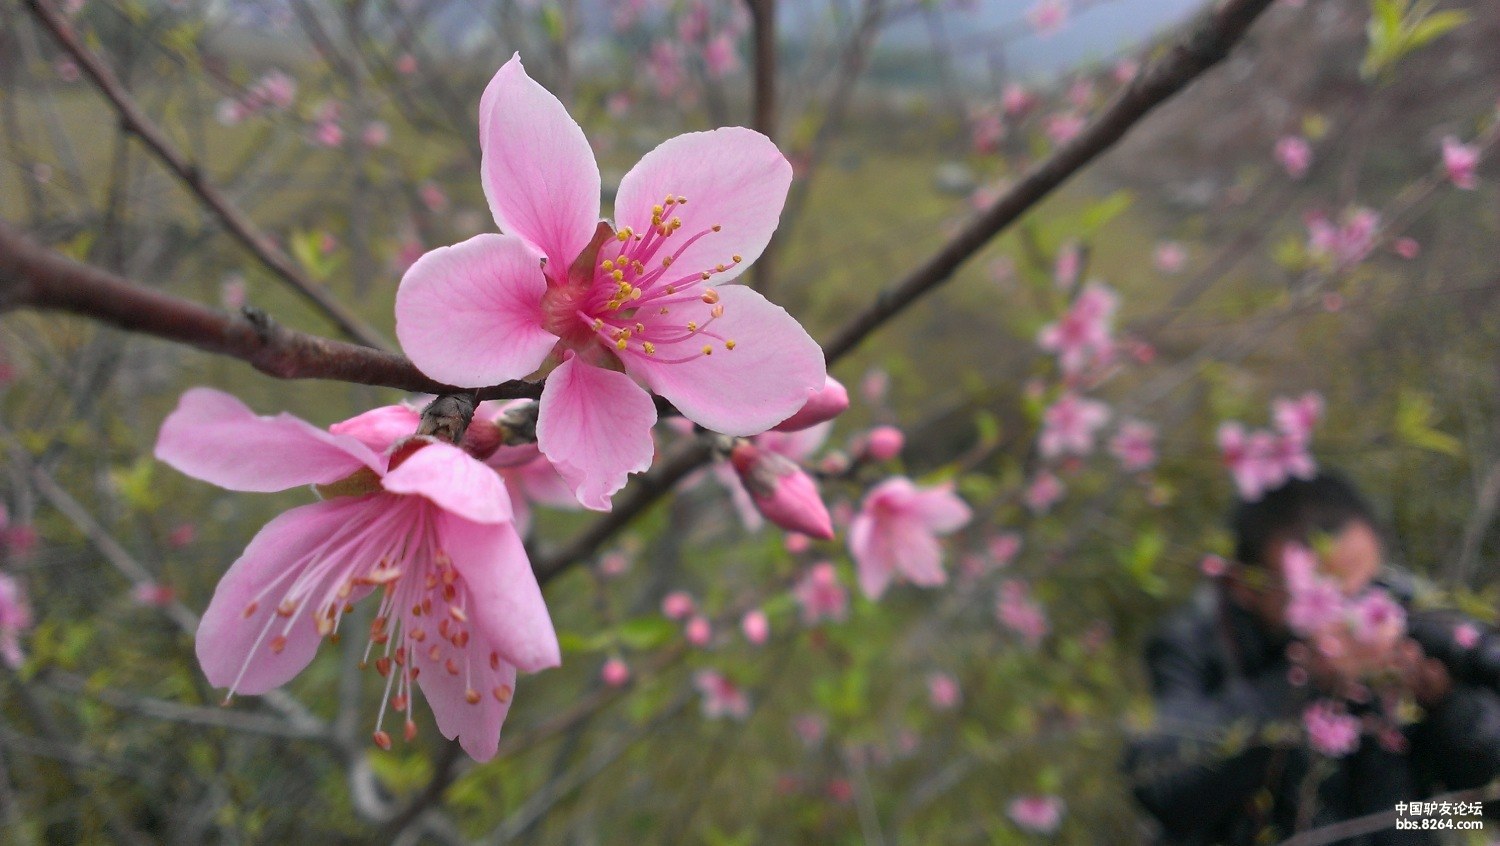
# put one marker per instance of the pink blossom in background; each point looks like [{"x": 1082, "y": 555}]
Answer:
[
  {"x": 632, "y": 297},
  {"x": 275, "y": 90},
  {"x": 406, "y": 64},
  {"x": 1261, "y": 461},
  {"x": 1048, "y": 16},
  {"x": 1377, "y": 618},
  {"x": 433, "y": 197},
  {"x": 1407, "y": 248},
  {"x": 1134, "y": 445},
  {"x": 1081, "y": 92},
  {"x": 183, "y": 535},
  {"x": 1213, "y": 566},
  {"x": 617, "y": 105},
  {"x": 1016, "y": 99},
  {"x": 1296, "y": 417},
  {"x": 756, "y": 627},
  {"x": 1125, "y": 70},
  {"x": 821, "y": 595},
  {"x": 796, "y": 543},
  {"x": 1063, "y": 127},
  {"x": 896, "y": 533},
  {"x": 377, "y": 133},
  {"x": 810, "y": 728},
  {"x": 1004, "y": 547},
  {"x": 1170, "y": 257},
  {"x": 875, "y": 385},
  {"x": 66, "y": 69},
  {"x": 327, "y": 134},
  {"x": 678, "y": 605},
  {"x": 1346, "y": 242},
  {"x": 884, "y": 443},
  {"x": 1461, "y": 161},
  {"x": 720, "y": 58},
  {"x": 943, "y": 691},
  {"x": 153, "y": 595},
  {"x": 1294, "y": 155},
  {"x": 1017, "y": 611},
  {"x": 421, "y": 522},
  {"x": 1071, "y": 424},
  {"x": 1045, "y": 491},
  {"x": 1466, "y": 635},
  {"x": 21, "y": 539},
  {"x": 615, "y": 672},
  {"x": 1036, "y": 814},
  {"x": 721, "y": 697},
  {"x": 1084, "y": 334},
  {"x": 986, "y": 131},
  {"x": 693, "y": 23},
  {"x": 15, "y": 620},
  {"x": 667, "y": 68},
  {"x": 1330, "y": 731},
  {"x": 614, "y": 564},
  {"x": 698, "y": 631},
  {"x": 1067, "y": 266}
]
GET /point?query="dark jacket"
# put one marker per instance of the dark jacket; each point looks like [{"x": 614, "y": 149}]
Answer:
[{"x": 1210, "y": 774}]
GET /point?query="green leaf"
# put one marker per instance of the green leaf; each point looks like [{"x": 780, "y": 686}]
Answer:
[
  {"x": 646, "y": 632},
  {"x": 1435, "y": 26},
  {"x": 1415, "y": 419}
]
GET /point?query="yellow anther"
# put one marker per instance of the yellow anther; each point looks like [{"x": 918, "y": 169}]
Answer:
[
  {"x": 729, "y": 344},
  {"x": 681, "y": 200},
  {"x": 718, "y": 311},
  {"x": 692, "y": 326},
  {"x": 708, "y": 350},
  {"x": 657, "y": 209},
  {"x": 635, "y": 293},
  {"x": 649, "y": 347},
  {"x": 598, "y": 324},
  {"x": 717, "y": 227},
  {"x": 669, "y": 200},
  {"x": 710, "y": 296},
  {"x": 621, "y": 344},
  {"x": 666, "y": 262},
  {"x": 618, "y": 275},
  {"x": 640, "y": 327},
  {"x": 719, "y": 268},
  {"x": 608, "y": 264},
  {"x": 671, "y": 289},
  {"x": 737, "y": 258},
  {"x": 705, "y": 275}
]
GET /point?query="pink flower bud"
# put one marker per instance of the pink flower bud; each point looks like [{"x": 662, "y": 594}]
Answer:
[
  {"x": 826, "y": 404},
  {"x": 797, "y": 543},
  {"x": 884, "y": 443},
  {"x": 699, "y": 632},
  {"x": 182, "y": 536},
  {"x": 615, "y": 672},
  {"x": 756, "y": 626},
  {"x": 677, "y": 605},
  {"x": 782, "y": 492}
]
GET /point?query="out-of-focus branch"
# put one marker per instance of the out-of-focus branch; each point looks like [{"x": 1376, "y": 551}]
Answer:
[
  {"x": 32, "y": 276},
  {"x": 190, "y": 173},
  {"x": 763, "y": 74},
  {"x": 1202, "y": 48}
]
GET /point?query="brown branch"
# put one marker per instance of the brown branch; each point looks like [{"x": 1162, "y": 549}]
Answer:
[
  {"x": 763, "y": 95},
  {"x": 190, "y": 173},
  {"x": 1203, "y": 47},
  {"x": 32, "y": 276}
]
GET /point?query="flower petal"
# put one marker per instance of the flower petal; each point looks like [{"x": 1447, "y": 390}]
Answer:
[
  {"x": 733, "y": 177},
  {"x": 537, "y": 168},
  {"x": 477, "y": 724},
  {"x": 454, "y": 480},
  {"x": 595, "y": 428},
  {"x": 214, "y": 437},
  {"x": 379, "y": 428},
  {"x": 471, "y": 314},
  {"x": 765, "y": 379},
  {"x": 506, "y": 606},
  {"x": 875, "y": 568},
  {"x": 235, "y": 647},
  {"x": 940, "y": 509}
]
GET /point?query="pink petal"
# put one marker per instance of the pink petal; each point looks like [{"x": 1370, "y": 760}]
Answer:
[
  {"x": 732, "y": 177},
  {"x": 471, "y": 314},
  {"x": 507, "y": 606},
  {"x": 537, "y": 168},
  {"x": 595, "y": 428},
  {"x": 940, "y": 510},
  {"x": 230, "y": 641},
  {"x": 476, "y": 725},
  {"x": 765, "y": 379},
  {"x": 379, "y": 428},
  {"x": 875, "y": 568},
  {"x": 214, "y": 437},
  {"x": 542, "y": 484},
  {"x": 454, "y": 480}
]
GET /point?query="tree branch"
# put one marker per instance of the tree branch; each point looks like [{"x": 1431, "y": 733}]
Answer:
[{"x": 190, "y": 173}]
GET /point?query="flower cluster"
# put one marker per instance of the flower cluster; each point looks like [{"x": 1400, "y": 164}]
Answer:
[{"x": 1263, "y": 460}]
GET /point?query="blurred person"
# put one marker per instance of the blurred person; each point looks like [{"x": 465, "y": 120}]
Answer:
[{"x": 1231, "y": 666}]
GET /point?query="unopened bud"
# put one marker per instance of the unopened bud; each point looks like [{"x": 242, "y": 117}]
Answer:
[
  {"x": 756, "y": 626},
  {"x": 824, "y": 404},
  {"x": 782, "y": 491},
  {"x": 615, "y": 672},
  {"x": 884, "y": 443}
]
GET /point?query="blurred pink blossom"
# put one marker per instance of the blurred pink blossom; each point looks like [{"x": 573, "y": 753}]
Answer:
[
  {"x": 1134, "y": 444},
  {"x": 1045, "y": 491},
  {"x": 821, "y": 595},
  {"x": 677, "y": 605},
  {"x": 1330, "y": 730},
  {"x": 1070, "y": 425},
  {"x": 615, "y": 672},
  {"x": 699, "y": 631},
  {"x": 943, "y": 691},
  {"x": 884, "y": 443},
  {"x": 1461, "y": 161},
  {"x": 153, "y": 595},
  {"x": 1036, "y": 813},
  {"x": 721, "y": 697},
  {"x": 1017, "y": 611},
  {"x": 15, "y": 619},
  {"x": 896, "y": 533},
  {"x": 1016, "y": 99},
  {"x": 1063, "y": 127},
  {"x": 756, "y": 627},
  {"x": 1294, "y": 155},
  {"x": 1048, "y": 16},
  {"x": 1170, "y": 257},
  {"x": 1083, "y": 335}
]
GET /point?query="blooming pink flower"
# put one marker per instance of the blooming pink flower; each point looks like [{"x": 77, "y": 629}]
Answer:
[
  {"x": 1294, "y": 155},
  {"x": 1048, "y": 16},
  {"x": 1045, "y": 491},
  {"x": 327, "y": 134},
  {"x": 721, "y": 697},
  {"x": 1297, "y": 416},
  {"x": 943, "y": 691},
  {"x": 1330, "y": 730},
  {"x": 720, "y": 58},
  {"x": 15, "y": 618},
  {"x": 1250, "y": 460},
  {"x": 1134, "y": 445},
  {"x": 1017, "y": 611},
  {"x": 667, "y": 68},
  {"x": 421, "y": 522},
  {"x": 1461, "y": 161},
  {"x": 1083, "y": 335},
  {"x": 1345, "y": 243},
  {"x": 1377, "y": 618},
  {"x": 896, "y": 531},
  {"x": 821, "y": 595},
  {"x": 599, "y": 300},
  {"x": 615, "y": 672},
  {"x": 1036, "y": 814},
  {"x": 1070, "y": 425},
  {"x": 1170, "y": 257},
  {"x": 756, "y": 627},
  {"x": 884, "y": 443}
]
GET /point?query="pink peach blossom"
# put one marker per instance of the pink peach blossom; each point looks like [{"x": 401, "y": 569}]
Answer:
[
  {"x": 420, "y": 522},
  {"x": 597, "y": 299},
  {"x": 1294, "y": 155},
  {"x": 1170, "y": 257},
  {"x": 721, "y": 697},
  {"x": 678, "y": 605},
  {"x": 821, "y": 595},
  {"x": 615, "y": 672},
  {"x": 1035, "y": 813},
  {"x": 1017, "y": 611},
  {"x": 1331, "y": 731},
  {"x": 1084, "y": 334},
  {"x": 943, "y": 691},
  {"x": 883, "y": 443},
  {"x": 1070, "y": 425},
  {"x": 699, "y": 631},
  {"x": 1048, "y": 16},
  {"x": 896, "y": 533},
  {"x": 765, "y": 479},
  {"x": 15, "y": 619},
  {"x": 1016, "y": 99},
  {"x": 1045, "y": 491},
  {"x": 756, "y": 627},
  {"x": 1134, "y": 445},
  {"x": 1461, "y": 161}
]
